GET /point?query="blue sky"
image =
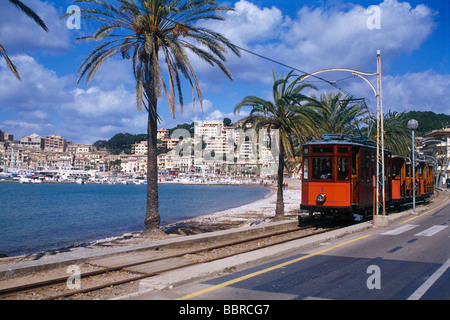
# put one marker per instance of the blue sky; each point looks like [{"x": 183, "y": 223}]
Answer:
[{"x": 309, "y": 35}]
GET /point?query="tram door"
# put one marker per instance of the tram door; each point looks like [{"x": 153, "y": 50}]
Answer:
[
  {"x": 367, "y": 171},
  {"x": 355, "y": 175}
]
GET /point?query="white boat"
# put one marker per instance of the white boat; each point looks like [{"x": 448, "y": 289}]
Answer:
[
  {"x": 23, "y": 179},
  {"x": 36, "y": 180}
]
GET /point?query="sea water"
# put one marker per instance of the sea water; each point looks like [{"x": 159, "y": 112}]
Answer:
[{"x": 38, "y": 217}]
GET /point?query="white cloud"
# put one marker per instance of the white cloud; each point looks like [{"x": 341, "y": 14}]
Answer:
[
  {"x": 95, "y": 102},
  {"x": 49, "y": 104},
  {"x": 40, "y": 86},
  {"x": 321, "y": 37},
  {"x": 18, "y": 32},
  {"x": 22, "y": 128},
  {"x": 249, "y": 23},
  {"x": 421, "y": 91}
]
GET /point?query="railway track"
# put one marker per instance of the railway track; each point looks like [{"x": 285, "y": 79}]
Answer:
[{"x": 129, "y": 274}]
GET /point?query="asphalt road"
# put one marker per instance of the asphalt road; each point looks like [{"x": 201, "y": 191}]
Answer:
[{"x": 410, "y": 259}]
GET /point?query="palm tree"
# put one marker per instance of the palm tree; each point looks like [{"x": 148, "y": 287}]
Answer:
[
  {"x": 285, "y": 114},
  {"x": 30, "y": 13},
  {"x": 397, "y": 136},
  {"x": 142, "y": 30},
  {"x": 338, "y": 115}
]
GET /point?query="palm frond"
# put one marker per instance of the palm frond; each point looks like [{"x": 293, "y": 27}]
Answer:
[
  {"x": 9, "y": 63},
  {"x": 30, "y": 13}
]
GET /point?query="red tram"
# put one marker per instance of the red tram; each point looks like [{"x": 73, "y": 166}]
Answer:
[{"x": 338, "y": 177}]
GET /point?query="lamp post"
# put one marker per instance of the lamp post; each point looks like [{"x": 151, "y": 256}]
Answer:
[{"x": 413, "y": 125}]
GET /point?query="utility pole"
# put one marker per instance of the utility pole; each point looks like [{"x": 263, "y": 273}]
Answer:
[{"x": 380, "y": 179}]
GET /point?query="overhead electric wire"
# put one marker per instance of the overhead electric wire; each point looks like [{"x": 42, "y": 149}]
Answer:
[{"x": 332, "y": 83}]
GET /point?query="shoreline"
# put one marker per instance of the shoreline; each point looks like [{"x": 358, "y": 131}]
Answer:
[
  {"x": 253, "y": 213},
  {"x": 257, "y": 212}
]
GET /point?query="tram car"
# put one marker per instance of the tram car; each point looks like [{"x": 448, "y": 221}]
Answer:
[
  {"x": 402, "y": 181},
  {"x": 338, "y": 177}
]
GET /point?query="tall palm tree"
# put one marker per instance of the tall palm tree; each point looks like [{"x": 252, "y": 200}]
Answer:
[
  {"x": 142, "y": 30},
  {"x": 338, "y": 114},
  {"x": 285, "y": 113},
  {"x": 30, "y": 13}
]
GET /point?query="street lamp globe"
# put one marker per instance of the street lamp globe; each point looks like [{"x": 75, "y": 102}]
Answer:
[{"x": 413, "y": 124}]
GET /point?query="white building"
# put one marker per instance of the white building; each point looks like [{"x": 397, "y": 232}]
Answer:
[
  {"x": 140, "y": 148},
  {"x": 435, "y": 146},
  {"x": 33, "y": 141}
]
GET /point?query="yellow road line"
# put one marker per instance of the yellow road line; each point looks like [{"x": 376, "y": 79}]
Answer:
[
  {"x": 254, "y": 274},
  {"x": 426, "y": 212}
]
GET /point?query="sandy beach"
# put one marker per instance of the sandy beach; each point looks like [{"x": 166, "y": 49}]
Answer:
[{"x": 261, "y": 211}]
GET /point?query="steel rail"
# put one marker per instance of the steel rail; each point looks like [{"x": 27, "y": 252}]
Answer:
[{"x": 55, "y": 281}]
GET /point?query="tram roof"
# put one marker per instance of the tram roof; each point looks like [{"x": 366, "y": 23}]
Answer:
[{"x": 341, "y": 139}]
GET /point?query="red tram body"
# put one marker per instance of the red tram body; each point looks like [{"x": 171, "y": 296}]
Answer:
[{"x": 338, "y": 177}]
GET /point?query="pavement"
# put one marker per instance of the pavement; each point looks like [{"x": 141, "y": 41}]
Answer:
[{"x": 25, "y": 266}]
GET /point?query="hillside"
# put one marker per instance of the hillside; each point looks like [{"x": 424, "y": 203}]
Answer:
[{"x": 428, "y": 120}]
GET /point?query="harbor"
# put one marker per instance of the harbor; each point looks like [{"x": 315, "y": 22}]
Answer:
[{"x": 97, "y": 177}]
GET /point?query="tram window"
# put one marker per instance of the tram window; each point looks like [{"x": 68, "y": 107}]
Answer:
[
  {"x": 322, "y": 168},
  {"x": 354, "y": 163},
  {"x": 343, "y": 169},
  {"x": 396, "y": 171},
  {"x": 305, "y": 168},
  {"x": 363, "y": 166},
  {"x": 323, "y": 150},
  {"x": 342, "y": 149}
]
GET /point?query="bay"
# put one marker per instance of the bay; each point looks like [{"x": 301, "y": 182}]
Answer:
[{"x": 45, "y": 216}]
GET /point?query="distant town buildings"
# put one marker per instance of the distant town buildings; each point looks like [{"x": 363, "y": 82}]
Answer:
[
  {"x": 435, "y": 146},
  {"x": 214, "y": 148}
]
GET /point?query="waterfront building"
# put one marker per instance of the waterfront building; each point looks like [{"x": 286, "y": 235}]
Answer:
[
  {"x": 6, "y": 137},
  {"x": 435, "y": 146},
  {"x": 59, "y": 160},
  {"x": 54, "y": 143},
  {"x": 15, "y": 156},
  {"x": 165, "y": 161},
  {"x": 78, "y": 148},
  {"x": 162, "y": 134},
  {"x": 140, "y": 148},
  {"x": 133, "y": 164},
  {"x": 33, "y": 141}
]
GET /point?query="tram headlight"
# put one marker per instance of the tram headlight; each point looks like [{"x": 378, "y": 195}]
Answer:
[{"x": 321, "y": 197}]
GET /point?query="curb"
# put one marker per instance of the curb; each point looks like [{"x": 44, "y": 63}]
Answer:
[{"x": 207, "y": 270}]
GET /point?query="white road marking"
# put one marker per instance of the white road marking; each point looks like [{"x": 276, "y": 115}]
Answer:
[
  {"x": 431, "y": 280},
  {"x": 401, "y": 229},
  {"x": 430, "y": 231}
]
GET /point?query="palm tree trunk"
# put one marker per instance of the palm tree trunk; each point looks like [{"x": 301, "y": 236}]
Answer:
[
  {"x": 279, "y": 210},
  {"x": 152, "y": 217}
]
